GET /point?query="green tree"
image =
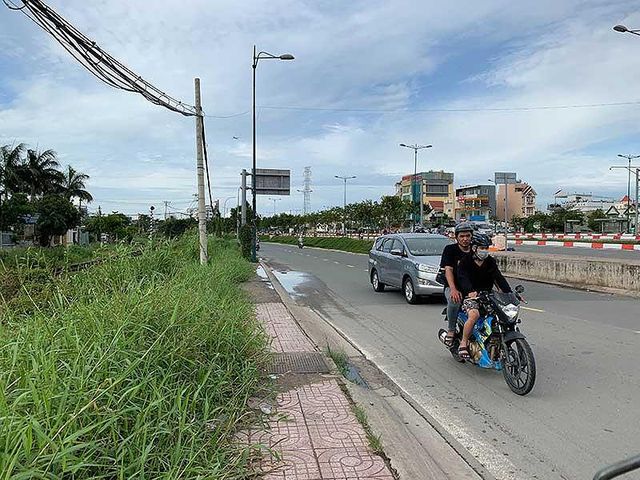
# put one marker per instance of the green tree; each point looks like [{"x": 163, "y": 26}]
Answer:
[
  {"x": 73, "y": 185},
  {"x": 593, "y": 216},
  {"x": 13, "y": 211},
  {"x": 115, "y": 224},
  {"x": 56, "y": 216},
  {"x": 10, "y": 165},
  {"x": 40, "y": 173},
  {"x": 174, "y": 227},
  {"x": 394, "y": 210}
]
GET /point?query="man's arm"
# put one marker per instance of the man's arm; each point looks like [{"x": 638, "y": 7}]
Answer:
[{"x": 456, "y": 296}]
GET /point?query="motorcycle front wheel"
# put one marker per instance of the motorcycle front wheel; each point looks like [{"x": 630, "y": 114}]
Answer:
[{"x": 519, "y": 367}]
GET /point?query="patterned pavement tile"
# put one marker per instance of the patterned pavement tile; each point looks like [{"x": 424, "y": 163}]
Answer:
[
  {"x": 292, "y": 465},
  {"x": 280, "y": 325},
  {"x": 341, "y": 464},
  {"x": 348, "y": 436}
]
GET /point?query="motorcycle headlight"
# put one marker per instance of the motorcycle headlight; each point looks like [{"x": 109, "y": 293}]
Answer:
[
  {"x": 423, "y": 267},
  {"x": 511, "y": 311}
]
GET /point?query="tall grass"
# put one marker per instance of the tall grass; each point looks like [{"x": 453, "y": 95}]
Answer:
[
  {"x": 136, "y": 368},
  {"x": 353, "y": 245}
]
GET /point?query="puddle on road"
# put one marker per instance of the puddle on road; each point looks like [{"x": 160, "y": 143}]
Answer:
[
  {"x": 264, "y": 277},
  {"x": 292, "y": 281}
]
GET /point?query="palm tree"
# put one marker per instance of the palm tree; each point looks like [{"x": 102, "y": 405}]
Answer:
[
  {"x": 10, "y": 165},
  {"x": 73, "y": 185},
  {"x": 40, "y": 172}
]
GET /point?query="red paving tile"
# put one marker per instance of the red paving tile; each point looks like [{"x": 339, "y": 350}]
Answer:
[{"x": 313, "y": 430}]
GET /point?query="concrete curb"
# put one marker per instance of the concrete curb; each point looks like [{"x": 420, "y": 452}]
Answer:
[{"x": 416, "y": 445}]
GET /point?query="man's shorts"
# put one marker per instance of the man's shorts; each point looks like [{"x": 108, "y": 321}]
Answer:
[{"x": 470, "y": 304}]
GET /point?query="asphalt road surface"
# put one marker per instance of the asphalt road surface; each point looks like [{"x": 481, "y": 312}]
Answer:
[
  {"x": 584, "y": 411},
  {"x": 581, "y": 251}
]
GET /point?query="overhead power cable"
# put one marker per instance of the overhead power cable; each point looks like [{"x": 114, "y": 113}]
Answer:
[
  {"x": 206, "y": 164},
  {"x": 89, "y": 54}
]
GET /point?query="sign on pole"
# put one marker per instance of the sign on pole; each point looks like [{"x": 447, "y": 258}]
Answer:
[
  {"x": 272, "y": 181},
  {"x": 505, "y": 178}
]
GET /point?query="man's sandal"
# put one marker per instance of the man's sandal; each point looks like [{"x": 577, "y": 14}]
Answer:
[
  {"x": 448, "y": 340},
  {"x": 463, "y": 352}
]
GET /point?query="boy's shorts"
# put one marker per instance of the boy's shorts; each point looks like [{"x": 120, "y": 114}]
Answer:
[{"x": 470, "y": 304}]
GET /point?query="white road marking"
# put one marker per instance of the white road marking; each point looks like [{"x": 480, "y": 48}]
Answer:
[
  {"x": 488, "y": 455},
  {"x": 636, "y": 331},
  {"x": 533, "y": 309},
  {"x": 351, "y": 266},
  {"x": 325, "y": 259},
  {"x": 337, "y": 263}
]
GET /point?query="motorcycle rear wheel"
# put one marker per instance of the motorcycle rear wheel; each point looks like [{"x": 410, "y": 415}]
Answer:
[{"x": 519, "y": 369}]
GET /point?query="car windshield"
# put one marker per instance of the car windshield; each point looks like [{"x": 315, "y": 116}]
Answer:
[{"x": 421, "y": 247}]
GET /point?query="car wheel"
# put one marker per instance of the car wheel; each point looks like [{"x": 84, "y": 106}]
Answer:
[
  {"x": 409, "y": 292},
  {"x": 377, "y": 285}
]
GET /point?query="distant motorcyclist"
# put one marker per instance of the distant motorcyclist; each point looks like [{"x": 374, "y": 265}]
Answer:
[
  {"x": 451, "y": 257},
  {"x": 477, "y": 272},
  {"x": 300, "y": 240}
]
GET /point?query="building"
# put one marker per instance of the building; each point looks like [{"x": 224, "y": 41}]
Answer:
[
  {"x": 475, "y": 203},
  {"x": 587, "y": 203},
  {"x": 437, "y": 191},
  {"x": 521, "y": 201}
]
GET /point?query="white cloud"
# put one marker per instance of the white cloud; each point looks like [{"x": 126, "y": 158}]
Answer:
[{"x": 356, "y": 55}]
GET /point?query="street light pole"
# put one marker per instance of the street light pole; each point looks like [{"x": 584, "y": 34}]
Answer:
[
  {"x": 256, "y": 58},
  {"x": 415, "y": 149},
  {"x": 629, "y": 158},
  {"x": 344, "y": 203},
  {"x": 274, "y": 200},
  {"x": 631, "y": 169},
  {"x": 623, "y": 29}
]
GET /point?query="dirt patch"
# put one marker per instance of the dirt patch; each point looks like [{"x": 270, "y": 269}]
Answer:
[{"x": 260, "y": 291}]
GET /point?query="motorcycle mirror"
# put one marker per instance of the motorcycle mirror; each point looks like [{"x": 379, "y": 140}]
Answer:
[{"x": 519, "y": 289}]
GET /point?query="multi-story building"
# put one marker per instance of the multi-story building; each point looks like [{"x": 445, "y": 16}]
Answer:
[
  {"x": 436, "y": 187},
  {"x": 475, "y": 202},
  {"x": 521, "y": 201}
]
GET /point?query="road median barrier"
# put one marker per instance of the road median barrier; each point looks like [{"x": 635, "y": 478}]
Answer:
[{"x": 607, "y": 275}]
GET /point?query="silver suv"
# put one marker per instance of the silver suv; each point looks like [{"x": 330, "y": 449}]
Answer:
[{"x": 409, "y": 261}]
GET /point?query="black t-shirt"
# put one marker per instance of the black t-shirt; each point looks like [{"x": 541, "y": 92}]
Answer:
[
  {"x": 472, "y": 277},
  {"x": 451, "y": 256}
]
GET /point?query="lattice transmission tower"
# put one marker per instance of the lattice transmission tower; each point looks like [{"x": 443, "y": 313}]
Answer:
[{"x": 307, "y": 189}]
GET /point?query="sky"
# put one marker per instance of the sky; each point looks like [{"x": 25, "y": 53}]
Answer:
[{"x": 482, "y": 81}]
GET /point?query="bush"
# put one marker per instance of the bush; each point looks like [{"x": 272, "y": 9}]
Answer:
[
  {"x": 345, "y": 244},
  {"x": 246, "y": 240}
]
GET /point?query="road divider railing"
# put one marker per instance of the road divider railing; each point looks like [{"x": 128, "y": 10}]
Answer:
[{"x": 599, "y": 245}]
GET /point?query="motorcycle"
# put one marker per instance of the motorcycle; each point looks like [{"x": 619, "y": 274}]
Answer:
[{"x": 496, "y": 341}]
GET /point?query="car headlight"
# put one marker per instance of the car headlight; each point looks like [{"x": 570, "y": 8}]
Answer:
[
  {"x": 423, "y": 267},
  {"x": 511, "y": 311}
]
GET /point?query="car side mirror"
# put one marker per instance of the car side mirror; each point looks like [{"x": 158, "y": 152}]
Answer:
[
  {"x": 519, "y": 289},
  {"x": 397, "y": 252}
]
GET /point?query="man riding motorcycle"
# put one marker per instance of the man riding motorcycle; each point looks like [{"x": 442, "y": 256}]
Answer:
[
  {"x": 451, "y": 256},
  {"x": 477, "y": 272}
]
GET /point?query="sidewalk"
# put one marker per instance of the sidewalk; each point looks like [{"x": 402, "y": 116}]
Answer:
[{"x": 310, "y": 429}]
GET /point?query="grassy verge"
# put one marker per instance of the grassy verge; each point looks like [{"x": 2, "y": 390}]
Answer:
[
  {"x": 50, "y": 258},
  {"x": 352, "y": 245},
  {"x": 135, "y": 368},
  {"x": 375, "y": 441}
]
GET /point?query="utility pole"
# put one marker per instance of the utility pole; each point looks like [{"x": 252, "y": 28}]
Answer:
[
  {"x": 344, "y": 203},
  {"x": 202, "y": 216},
  {"x": 629, "y": 158},
  {"x": 244, "y": 197},
  {"x": 631, "y": 169},
  {"x": 415, "y": 149}
]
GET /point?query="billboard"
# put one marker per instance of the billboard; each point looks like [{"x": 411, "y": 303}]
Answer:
[
  {"x": 272, "y": 181},
  {"x": 505, "y": 177}
]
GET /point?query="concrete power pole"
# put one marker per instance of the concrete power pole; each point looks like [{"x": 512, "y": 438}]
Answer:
[
  {"x": 166, "y": 204},
  {"x": 244, "y": 198},
  {"x": 202, "y": 216}
]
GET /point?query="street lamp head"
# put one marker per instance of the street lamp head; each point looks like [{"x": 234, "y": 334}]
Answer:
[
  {"x": 428, "y": 146},
  {"x": 621, "y": 28},
  {"x": 287, "y": 56},
  {"x": 404, "y": 145},
  {"x": 337, "y": 176}
]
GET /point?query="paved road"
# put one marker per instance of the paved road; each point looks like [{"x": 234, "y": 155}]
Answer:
[
  {"x": 584, "y": 411},
  {"x": 581, "y": 251}
]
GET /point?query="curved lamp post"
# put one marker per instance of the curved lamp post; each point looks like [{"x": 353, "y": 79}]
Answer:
[
  {"x": 415, "y": 149},
  {"x": 257, "y": 57}
]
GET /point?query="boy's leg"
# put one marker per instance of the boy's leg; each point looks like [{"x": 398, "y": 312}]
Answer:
[
  {"x": 474, "y": 315},
  {"x": 452, "y": 313}
]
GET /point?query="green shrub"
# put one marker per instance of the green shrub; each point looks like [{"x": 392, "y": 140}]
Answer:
[{"x": 246, "y": 240}]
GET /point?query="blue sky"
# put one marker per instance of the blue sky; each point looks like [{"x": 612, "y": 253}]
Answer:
[{"x": 411, "y": 65}]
